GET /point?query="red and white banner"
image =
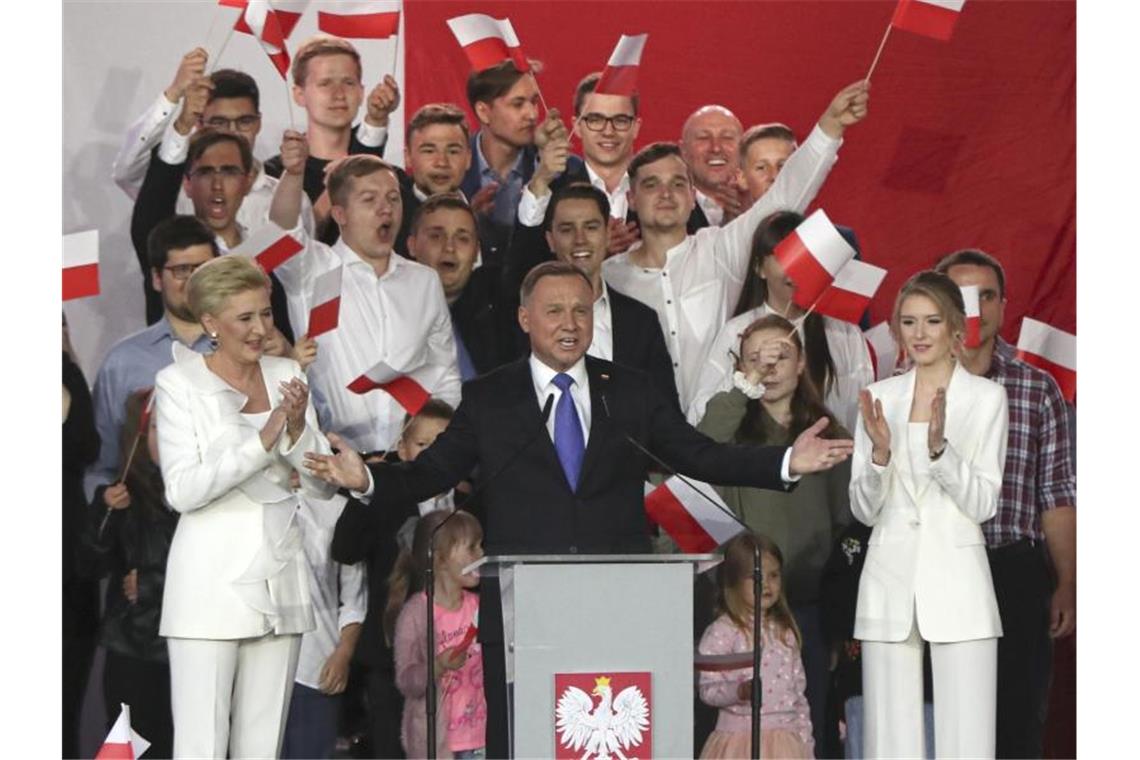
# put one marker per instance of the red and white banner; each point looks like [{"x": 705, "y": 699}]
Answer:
[
  {"x": 851, "y": 293},
  {"x": 288, "y": 13},
  {"x": 325, "y": 314},
  {"x": 377, "y": 20},
  {"x": 812, "y": 256},
  {"x": 81, "y": 264},
  {"x": 603, "y": 714},
  {"x": 930, "y": 18},
  {"x": 122, "y": 743},
  {"x": 884, "y": 350},
  {"x": 270, "y": 246},
  {"x": 488, "y": 41},
  {"x": 620, "y": 75},
  {"x": 411, "y": 390},
  {"x": 1052, "y": 350},
  {"x": 695, "y": 525},
  {"x": 266, "y": 24},
  {"x": 973, "y": 305}
]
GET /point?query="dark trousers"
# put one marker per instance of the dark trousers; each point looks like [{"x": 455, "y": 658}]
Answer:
[
  {"x": 385, "y": 708},
  {"x": 1024, "y": 586},
  {"x": 78, "y": 652},
  {"x": 143, "y": 685},
  {"x": 495, "y": 692},
  {"x": 818, "y": 677},
  {"x": 310, "y": 731}
]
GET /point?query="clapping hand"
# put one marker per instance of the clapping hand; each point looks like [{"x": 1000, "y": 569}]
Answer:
[
  {"x": 294, "y": 400},
  {"x": 622, "y": 236},
  {"x": 876, "y": 426},
  {"x": 344, "y": 469},
  {"x": 483, "y": 201},
  {"x": 936, "y": 433},
  {"x": 810, "y": 453}
]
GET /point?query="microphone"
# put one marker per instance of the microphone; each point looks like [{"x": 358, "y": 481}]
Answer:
[
  {"x": 756, "y": 570},
  {"x": 429, "y": 571}
]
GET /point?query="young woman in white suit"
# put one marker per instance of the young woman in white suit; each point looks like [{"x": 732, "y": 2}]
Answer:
[
  {"x": 232, "y": 425},
  {"x": 926, "y": 471}
]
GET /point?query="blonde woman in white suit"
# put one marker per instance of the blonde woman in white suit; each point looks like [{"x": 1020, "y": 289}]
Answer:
[
  {"x": 232, "y": 426},
  {"x": 926, "y": 471}
]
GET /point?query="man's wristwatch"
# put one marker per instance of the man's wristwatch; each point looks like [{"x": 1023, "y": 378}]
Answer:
[{"x": 935, "y": 454}]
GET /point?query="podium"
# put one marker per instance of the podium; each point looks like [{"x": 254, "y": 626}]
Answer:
[{"x": 598, "y": 615}]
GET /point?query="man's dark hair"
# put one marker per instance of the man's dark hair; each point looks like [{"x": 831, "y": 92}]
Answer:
[
  {"x": 773, "y": 131},
  {"x": 654, "y": 152},
  {"x": 588, "y": 84},
  {"x": 495, "y": 82},
  {"x": 976, "y": 257},
  {"x": 550, "y": 269},
  {"x": 174, "y": 234},
  {"x": 231, "y": 83},
  {"x": 441, "y": 201},
  {"x": 437, "y": 113},
  {"x": 204, "y": 139},
  {"x": 576, "y": 191}
]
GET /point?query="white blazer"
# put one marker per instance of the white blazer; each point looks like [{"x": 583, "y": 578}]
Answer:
[
  {"x": 926, "y": 555},
  {"x": 235, "y": 568}
]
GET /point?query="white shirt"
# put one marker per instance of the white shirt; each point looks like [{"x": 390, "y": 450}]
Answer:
[
  {"x": 338, "y": 592},
  {"x": 602, "y": 345},
  {"x": 853, "y": 369},
  {"x": 696, "y": 291},
  {"x": 619, "y": 201},
  {"x": 399, "y": 317},
  {"x": 532, "y": 209},
  {"x": 543, "y": 377},
  {"x": 713, "y": 210}
]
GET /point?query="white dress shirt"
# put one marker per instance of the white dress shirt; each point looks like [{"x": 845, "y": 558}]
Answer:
[
  {"x": 399, "y": 317},
  {"x": 602, "y": 345},
  {"x": 339, "y": 593},
  {"x": 845, "y": 341},
  {"x": 543, "y": 377},
  {"x": 619, "y": 201},
  {"x": 532, "y": 209},
  {"x": 696, "y": 291},
  {"x": 714, "y": 212}
]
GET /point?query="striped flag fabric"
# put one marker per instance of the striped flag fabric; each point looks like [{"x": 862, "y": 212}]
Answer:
[
  {"x": 270, "y": 246},
  {"x": 884, "y": 350},
  {"x": 695, "y": 525},
  {"x": 267, "y": 25},
  {"x": 488, "y": 41},
  {"x": 973, "y": 305},
  {"x": 620, "y": 75},
  {"x": 122, "y": 743},
  {"x": 325, "y": 314},
  {"x": 376, "y": 20},
  {"x": 812, "y": 256},
  {"x": 411, "y": 390},
  {"x": 1051, "y": 350},
  {"x": 81, "y": 264},
  {"x": 930, "y": 18},
  {"x": 854, "y": 287}
]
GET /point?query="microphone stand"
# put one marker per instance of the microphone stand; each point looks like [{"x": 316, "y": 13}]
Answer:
[{"x": 756, "y": 578}]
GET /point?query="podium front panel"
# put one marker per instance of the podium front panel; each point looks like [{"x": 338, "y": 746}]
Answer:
[{"x": 601, "y": 619}]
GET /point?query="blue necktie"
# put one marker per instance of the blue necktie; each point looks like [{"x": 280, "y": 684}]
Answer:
[{"x": 568, "y": 439}]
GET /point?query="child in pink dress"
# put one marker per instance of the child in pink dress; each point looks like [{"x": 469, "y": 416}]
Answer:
[
  {"x": 461, "y": 716},
  {"x": 785, "y": 722}
]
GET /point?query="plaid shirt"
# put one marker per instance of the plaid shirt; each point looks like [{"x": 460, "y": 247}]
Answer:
[{"x": 1039, "y": 472}]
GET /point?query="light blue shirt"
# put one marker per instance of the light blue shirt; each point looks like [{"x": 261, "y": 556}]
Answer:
[{"x": 510, "y": 188}]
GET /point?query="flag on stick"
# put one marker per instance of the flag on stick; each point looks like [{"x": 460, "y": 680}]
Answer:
[
  {"x": 377, "y": 20},
  {"x": 1051, "y": 350},
  {"x": 620, "y": 74},
  {"x": 973, "y": 316},
  {"x": 930, "y": 18},
  {"x": 488, "y": 41},
  {"x": 411, "y": 390},
  {"x": 81, "y": 264},
  {"x": 812, "y": 256},
  {"x": 325, "y": 313},
  {"x": 851, "y": 293},
  {"x": 265, "y": 24},
  {"x": 270, "y": 246},
  {"x": 122, "y": 743},
  {"x": 288, "y": 13},
  {"x": 694, "y": 525}
]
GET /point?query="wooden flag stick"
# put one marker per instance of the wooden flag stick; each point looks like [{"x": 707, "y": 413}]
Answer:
[
  {"x": 218, "y": 56},
  {"x": 289, "y": 102},
  {"x": 396, "y": 52},
  {"x": 875, "y": 62}
]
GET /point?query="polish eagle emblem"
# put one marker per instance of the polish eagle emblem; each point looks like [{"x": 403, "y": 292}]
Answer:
[{"x": 606, "y": 730}]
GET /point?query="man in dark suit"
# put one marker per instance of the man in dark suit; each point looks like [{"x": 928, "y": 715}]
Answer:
[{"x": 571, "y": 482}]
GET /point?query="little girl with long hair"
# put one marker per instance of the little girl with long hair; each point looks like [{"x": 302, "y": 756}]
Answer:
[
  {"x": 785, "y": 724},
  {"x": 461, "y": 716}
]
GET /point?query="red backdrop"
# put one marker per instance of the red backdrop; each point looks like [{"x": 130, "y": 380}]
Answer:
[{"x": 968, "y": 143}]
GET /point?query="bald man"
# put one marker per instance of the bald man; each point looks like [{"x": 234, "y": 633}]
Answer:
[{"x": 710, "y": 140}]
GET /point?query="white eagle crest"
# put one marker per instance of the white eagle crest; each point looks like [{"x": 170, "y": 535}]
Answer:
[{"x": 615, "y": 724}]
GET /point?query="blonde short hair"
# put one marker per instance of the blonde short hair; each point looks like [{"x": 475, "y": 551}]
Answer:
[
  {"x": 218, "y": 280},
  {"x": 322, "y": 44},
  {"x": 942, "y": 291}
]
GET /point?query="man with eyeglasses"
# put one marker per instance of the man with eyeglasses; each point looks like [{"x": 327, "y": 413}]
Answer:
[{"x": 174, "y": 249}]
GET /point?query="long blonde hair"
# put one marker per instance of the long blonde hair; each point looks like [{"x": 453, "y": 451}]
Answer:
[{"x": 736, "y": 570}]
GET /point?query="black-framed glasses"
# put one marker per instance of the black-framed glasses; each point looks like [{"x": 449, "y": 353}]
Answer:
[
  {"x": 225, "y": 172},
  {"x": 596, "y": 122},
  {"x": 182, "y": 271},
  {"x": 237, "y": 124}
]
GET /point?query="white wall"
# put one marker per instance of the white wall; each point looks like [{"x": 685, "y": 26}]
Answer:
[{"x": 117, "y": 58}]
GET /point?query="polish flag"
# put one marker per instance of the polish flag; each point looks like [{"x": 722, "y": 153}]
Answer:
[
  {"x": 812, "y": 256},
  {"x": 884, "y": 350},
  {"x": 122, "y": 743},
  {"x": 377, "y": 20},
  {"x": 973, "y": 316},
  {"x": 930, "y": 18},
  {"x": 1052, "y": 350},
  {"x": 325, "y": 313},
  {"x": 851, "y": 293},
  {"x": 270, "y": 246},
  {"x": 620, "y": 74},
  {"x": 265, "y": 24},
  {"x": 288, "y": 13},
  {"x": 411, "y": 389},
  {"x": 488, "y": 41},
  {"x": 81, "y": 264},
  {"x": 695, "y": 525}
]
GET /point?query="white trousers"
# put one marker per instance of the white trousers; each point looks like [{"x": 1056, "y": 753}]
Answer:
[
  {"x": 965, "y": 698},
  {"x": 231, "y": 695}
]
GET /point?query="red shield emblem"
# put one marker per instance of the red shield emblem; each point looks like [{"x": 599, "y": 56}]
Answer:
[{"x": 602, "y": 715}]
